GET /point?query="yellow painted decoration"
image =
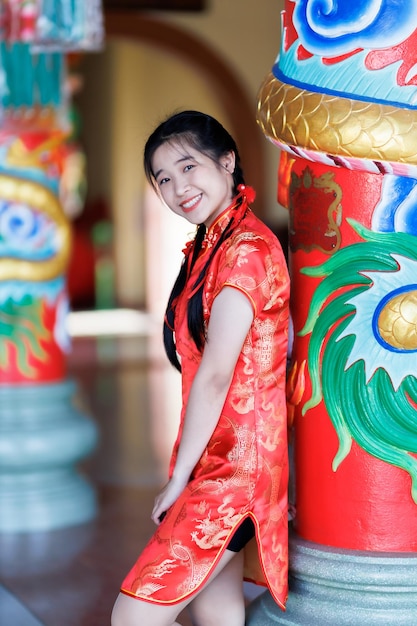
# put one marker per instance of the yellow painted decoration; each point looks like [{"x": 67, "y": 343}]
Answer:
[
  {"x": 335, "y": 125},
  {"x": 397, "y": 323},
  {"x": 40, "y": 199},
  {"x": 19, "y": 155}
]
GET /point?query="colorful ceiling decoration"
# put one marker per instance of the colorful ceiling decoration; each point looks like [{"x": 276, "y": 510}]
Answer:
[{"x": 58, "y": 25}]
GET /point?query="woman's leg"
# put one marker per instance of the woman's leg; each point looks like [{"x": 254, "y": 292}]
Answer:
[
  {"x": 221, "y": 602},
  {"x": 129, "y": 611}
]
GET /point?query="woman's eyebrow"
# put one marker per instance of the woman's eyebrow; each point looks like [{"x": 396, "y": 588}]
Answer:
[{"x": 187, "y": 157}]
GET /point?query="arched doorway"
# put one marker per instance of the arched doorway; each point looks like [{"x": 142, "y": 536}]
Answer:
[
  {"x": 225, "y": 84},
  {"x": 149, "y": 69}
]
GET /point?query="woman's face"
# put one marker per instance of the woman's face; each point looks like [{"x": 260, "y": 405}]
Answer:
[{"x": 191, "y": 184}]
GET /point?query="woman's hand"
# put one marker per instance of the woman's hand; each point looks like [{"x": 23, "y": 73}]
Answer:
[{"x": 166, "y": 498}]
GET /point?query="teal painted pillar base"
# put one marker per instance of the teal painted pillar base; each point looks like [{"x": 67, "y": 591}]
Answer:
[
  {"x": 333, "y": 587},
  {"x": 43, "y": 436}
]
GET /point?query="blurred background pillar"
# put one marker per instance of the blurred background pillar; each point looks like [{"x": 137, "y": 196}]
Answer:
[
  {"x": 43, "y": 431},
  {"x": 341, "y": 104}
]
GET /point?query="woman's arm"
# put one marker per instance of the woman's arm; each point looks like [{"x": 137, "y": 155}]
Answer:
[{"x": 230, "y": 320}]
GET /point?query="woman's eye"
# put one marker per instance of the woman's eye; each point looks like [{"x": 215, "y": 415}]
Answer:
[
  {"x": 163, "y": 180},
  {"x": 187, "y": 168}
]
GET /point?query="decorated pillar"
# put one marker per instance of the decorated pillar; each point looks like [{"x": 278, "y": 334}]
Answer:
[
  {"x": 341, "y": 104},
  {"x": 43, "y": 432}
]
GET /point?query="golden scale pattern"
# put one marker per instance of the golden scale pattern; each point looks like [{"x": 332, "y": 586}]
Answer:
[
  {"x": 335, "y": 125},
  {"x": 397, "y": 322}
]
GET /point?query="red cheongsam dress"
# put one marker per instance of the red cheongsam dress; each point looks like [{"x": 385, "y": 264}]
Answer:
[{"x": 244, "y": 470}]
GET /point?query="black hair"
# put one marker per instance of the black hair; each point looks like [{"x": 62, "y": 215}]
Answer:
[{"x": 208, "y": 136}]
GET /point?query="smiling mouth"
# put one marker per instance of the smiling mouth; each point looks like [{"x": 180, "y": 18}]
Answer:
[{"x": 190, "y": 204}]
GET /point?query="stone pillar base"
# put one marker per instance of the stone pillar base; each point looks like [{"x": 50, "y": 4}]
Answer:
[
  {"x": 330, "y": 587},
  {"x": 43, "y": 435}
]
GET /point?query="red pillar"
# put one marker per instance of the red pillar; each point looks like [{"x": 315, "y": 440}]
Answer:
[
  {"x": 341, "y": 104},
  {"x": 349, "y": 492}
]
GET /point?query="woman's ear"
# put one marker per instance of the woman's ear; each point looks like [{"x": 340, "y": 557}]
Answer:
[{"x": 228, "y": 161}]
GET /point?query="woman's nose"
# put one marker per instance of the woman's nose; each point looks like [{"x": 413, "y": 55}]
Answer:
[{"x": 182, "y": 185}]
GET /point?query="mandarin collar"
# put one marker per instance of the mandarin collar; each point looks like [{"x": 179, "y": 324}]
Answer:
[
  {"x": 237, "y": 209},
  {"x": 216, "y": 229}
]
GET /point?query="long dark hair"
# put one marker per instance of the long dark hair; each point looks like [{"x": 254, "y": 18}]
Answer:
[{"x": 205, "y": 134}]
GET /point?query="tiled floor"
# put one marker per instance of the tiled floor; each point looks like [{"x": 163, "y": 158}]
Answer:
[{"x": 71, "y": 577}]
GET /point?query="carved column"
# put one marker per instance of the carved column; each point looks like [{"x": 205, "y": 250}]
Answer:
[
  {"x": 44, "y": 433},
  {"x": 341, "y": 104}
]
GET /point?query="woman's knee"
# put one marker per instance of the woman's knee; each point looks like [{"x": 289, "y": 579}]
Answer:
[
  {"x": 210, "y": 614},
  {"x": 118, "y": 617},
  {"x": 129, "y": 611}
]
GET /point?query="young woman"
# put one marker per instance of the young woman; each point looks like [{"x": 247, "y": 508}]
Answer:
[{"x": 226, "y": 329}]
